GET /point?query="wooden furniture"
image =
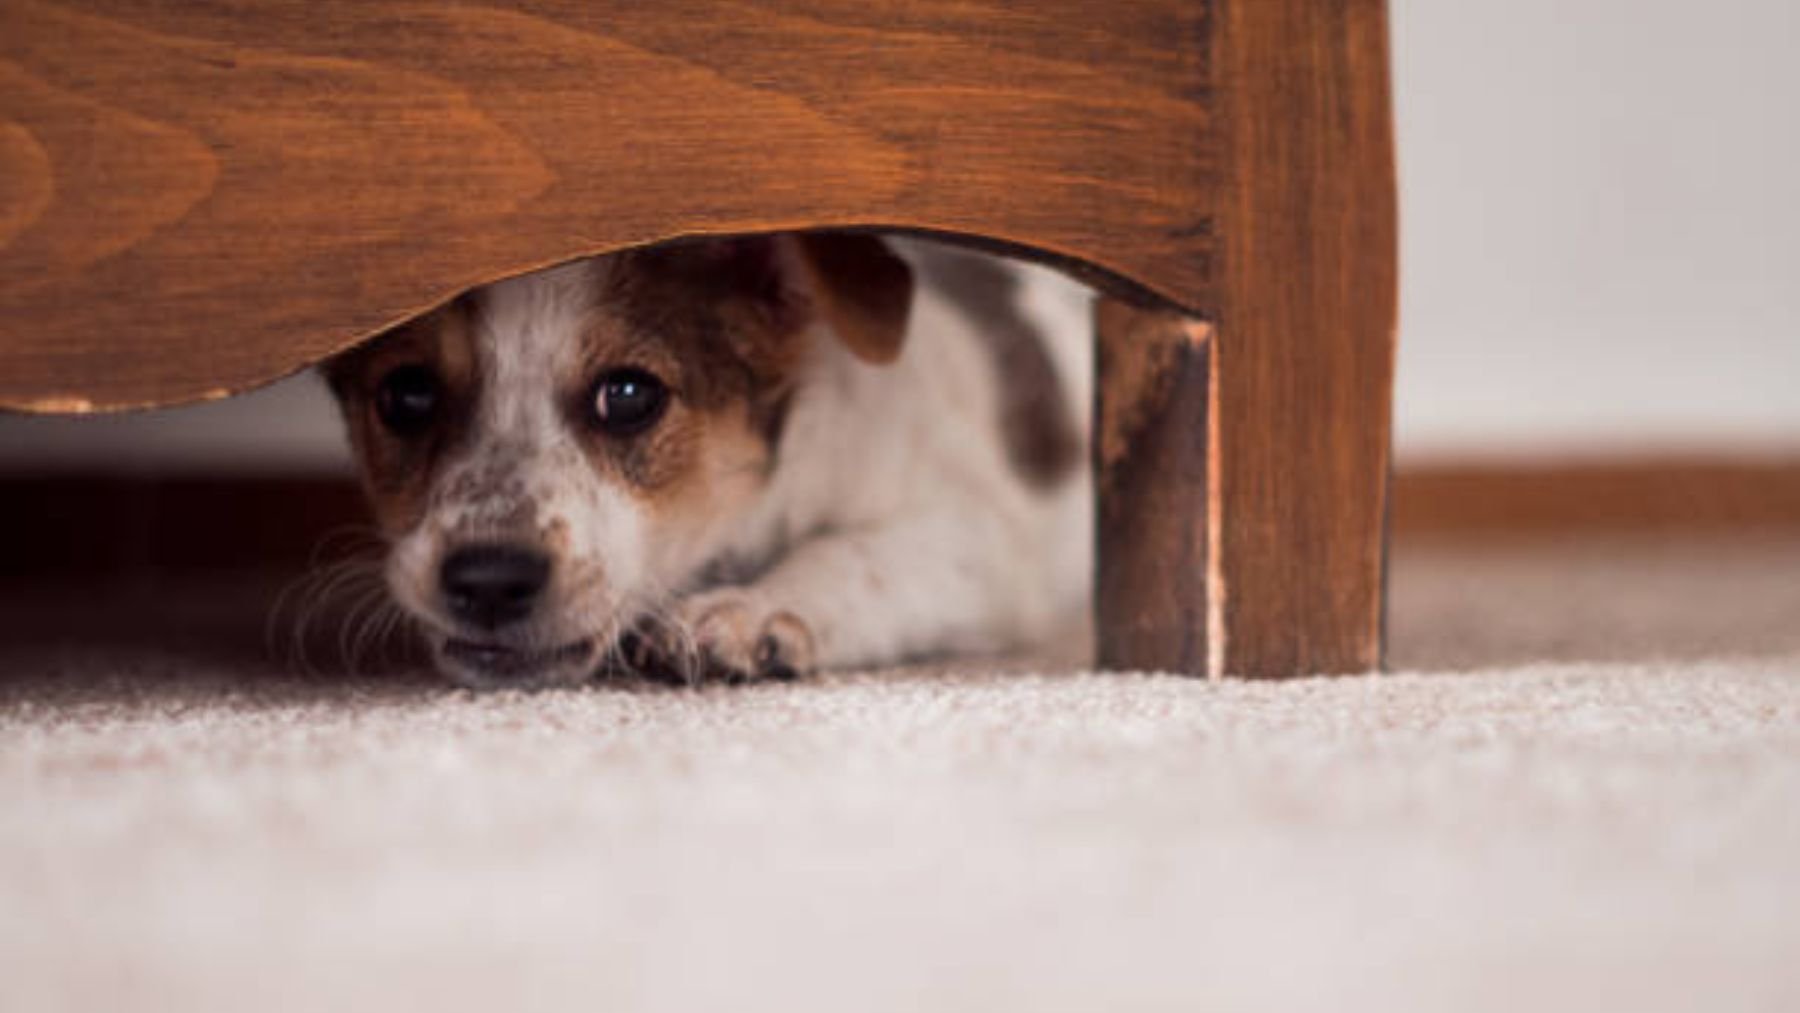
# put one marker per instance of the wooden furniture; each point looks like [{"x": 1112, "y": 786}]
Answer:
[{"x": 195, "y": 199}]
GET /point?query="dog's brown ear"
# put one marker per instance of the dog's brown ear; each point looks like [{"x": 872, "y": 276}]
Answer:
[
  {"x": 849, "y": 281},
  {"x": 860, "y": 289}
]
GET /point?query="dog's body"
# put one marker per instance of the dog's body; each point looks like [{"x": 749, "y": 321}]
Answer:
[{"x": 737, "y": 458}]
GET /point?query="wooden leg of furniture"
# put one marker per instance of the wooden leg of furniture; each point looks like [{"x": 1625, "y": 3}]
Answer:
[
  {"x": 1157, "y": 602},
  {"x": 1244, "y": 469}
]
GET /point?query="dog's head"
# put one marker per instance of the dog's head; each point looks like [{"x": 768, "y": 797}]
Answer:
[{"x": 553, "y": 454}]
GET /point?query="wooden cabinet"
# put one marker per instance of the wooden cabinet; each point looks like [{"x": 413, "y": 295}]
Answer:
[{"x": 198, "y": 198}]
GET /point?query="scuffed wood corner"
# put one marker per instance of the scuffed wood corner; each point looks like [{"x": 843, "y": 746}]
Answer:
[{"x": 1159, "y": 589}]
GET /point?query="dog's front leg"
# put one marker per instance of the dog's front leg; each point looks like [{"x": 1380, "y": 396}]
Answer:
[{"x": 858, "y": 598}]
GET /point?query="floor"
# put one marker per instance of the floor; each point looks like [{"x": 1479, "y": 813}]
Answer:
[{"x": 1578, "y": 788}]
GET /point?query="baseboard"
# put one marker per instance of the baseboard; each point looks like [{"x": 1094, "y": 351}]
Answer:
[
  {"x": 1675, "y": 495},
  {"x": 79, "y": 526}
]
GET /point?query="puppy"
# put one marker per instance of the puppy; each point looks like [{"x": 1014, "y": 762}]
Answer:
[{"x": 730, "y": 459}]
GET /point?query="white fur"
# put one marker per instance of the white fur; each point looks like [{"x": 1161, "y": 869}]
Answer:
[
  {"x": 892, "y": 525},
  {"x": 924, "y": 539},
  {"x": 525, "y": 342}
]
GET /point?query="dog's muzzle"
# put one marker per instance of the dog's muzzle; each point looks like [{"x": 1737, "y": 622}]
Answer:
[
  {"x": 492, "y": 590},
  {"x": 491, "y": 586}
]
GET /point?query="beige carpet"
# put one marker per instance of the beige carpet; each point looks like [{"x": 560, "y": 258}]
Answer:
[{"x": 1590, "y": 801}]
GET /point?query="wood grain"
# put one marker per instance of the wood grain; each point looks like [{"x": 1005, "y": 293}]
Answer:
[
  {"x": 1243, "y": 495},
  {"x": 1158, "y": 596},
  {"x": 1307, "y": 290},
  {"x": 196, "y": 198}
]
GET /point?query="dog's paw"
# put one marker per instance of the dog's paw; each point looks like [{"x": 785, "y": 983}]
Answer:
[{"x": 727, "y": 635}]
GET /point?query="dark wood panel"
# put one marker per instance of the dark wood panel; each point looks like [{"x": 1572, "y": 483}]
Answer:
[
  {"x": 195, "y": 198},
  {"x": 1158, "y": 600},
  {"x": 1305, "y": 331}
]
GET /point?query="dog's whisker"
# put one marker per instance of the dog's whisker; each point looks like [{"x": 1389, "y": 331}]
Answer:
[
  {"x": 381, "y": 641},
  {"x": 313, "y": 594},
  {"x": 298, "y": 594},
  {"x": 514, "y": 541},
  {"x": 677, "y": 636},
  {"x": 361, "y": 640},
  {"x": 356, "y": 609},
  {"x": 360, "y": 538},
  {"x": 394, "y": 622},
  {"x": 363, "y": 621}
]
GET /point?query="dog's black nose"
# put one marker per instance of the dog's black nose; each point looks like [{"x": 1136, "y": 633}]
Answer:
[{"x": 492, "y": 585}]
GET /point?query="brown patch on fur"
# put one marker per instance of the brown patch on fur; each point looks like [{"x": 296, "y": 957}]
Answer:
[
  {"x": 397, "y": 471},
  {"x": 715, "y": 323},
  {"x": 554, "y": 537},
  {"x": 495, "y": 482},
  {"x": 1036, "y": 422},
  {"x": 863, "y": 291},
  {"x": 721, "y": 322}
]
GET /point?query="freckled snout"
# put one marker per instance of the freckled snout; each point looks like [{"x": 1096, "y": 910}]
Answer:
[{"x": 493, "y": 585}]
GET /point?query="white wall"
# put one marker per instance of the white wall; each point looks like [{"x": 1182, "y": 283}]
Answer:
[
  {"x": 1600, "y": 233},
  {"x": 1601, "y": 224}
]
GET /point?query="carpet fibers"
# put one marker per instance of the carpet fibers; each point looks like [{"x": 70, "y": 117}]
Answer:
[{"x": 1580, "y": 789}]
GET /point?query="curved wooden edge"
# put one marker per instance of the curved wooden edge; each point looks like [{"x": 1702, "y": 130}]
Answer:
[
  {"x": 199, "y": 198},
  {"x": 280, "y": 364}
]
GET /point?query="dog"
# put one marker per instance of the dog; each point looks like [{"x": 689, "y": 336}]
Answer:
[{"x": 733, "y": 459}]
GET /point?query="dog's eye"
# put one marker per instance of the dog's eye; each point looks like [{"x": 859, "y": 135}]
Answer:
[
  {"x": 628, "y": 401},
  {"x": 407, "y": 399}
]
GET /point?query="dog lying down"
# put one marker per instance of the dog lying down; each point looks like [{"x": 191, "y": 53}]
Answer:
[{"x": 730, "y": 459}]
